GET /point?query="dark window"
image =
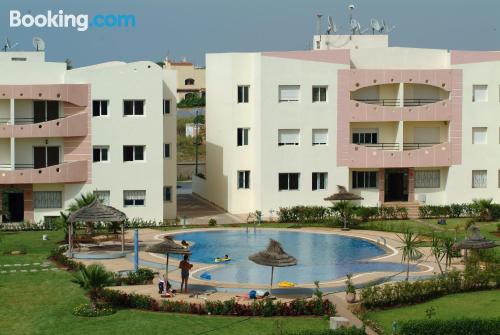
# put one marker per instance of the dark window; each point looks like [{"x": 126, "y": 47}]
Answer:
[
  {"x": 243, "y": 179},
  {"x": 166, "y": 150},
  {"x": 365, "y": 138},
  {"x": 289, "y": 181},
  {"x": 242, "y": 136},
  {"x": 364, "y": 179},
  {"x": 100, "y": 154},
  {"x": 319, "y": 180},
  {"x": 133, "y": 153},
  {"x": 189, "y": 81},
  {"x": 99, "y": 107},
  {"x": 45, "y": 156},
  {"x": 319, "y": 93},
  {"x": 166, "y": 106},
  {"x": 45, "y": 111},
  {"x": 243, "y": 94},
  {"x": 167, "y": 193},
  {"x": 138, "y": 153},
  {"x": 38, "y": 111},
  {"x": 133, "y": 107}
]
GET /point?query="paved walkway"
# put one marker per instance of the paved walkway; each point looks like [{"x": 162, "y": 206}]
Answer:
[
  {"x": 199, "y": 211},
  {"x": 341, "y": 306},
  {"x": 26, "y": 267}
]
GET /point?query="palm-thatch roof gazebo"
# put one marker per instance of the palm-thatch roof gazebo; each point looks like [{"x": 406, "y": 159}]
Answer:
[
  {"x": 168, "y": 246},
  {"x": 343, "y": 197},
  {"x": 273, "y": 256},
  {"x": 96, "y": 212}
]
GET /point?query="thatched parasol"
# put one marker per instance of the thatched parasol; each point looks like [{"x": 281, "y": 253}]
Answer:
[
  {"x": 474, "y": 240},
  {"x": 96, "y": 212},
  {"x": 343, "y": 196},
  {"x": 274, "y": 255},
  {"x": 168, "y": 246}
]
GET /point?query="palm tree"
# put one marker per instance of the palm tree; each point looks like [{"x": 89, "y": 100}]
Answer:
[
  {"x": 437, "y": 250},
  {"x": 483, "y": 208},
  {"x": 448, "y": 252},
  {"x": 93, "y": 279},
  {"x": 62, "y": 223},
  {"x": 409, "y": 249},
  {"x": 82, "y": 201}
]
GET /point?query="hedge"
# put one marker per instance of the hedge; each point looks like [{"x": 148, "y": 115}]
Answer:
[
  {"x": 340, "y": 331},
  {"x": 268, "y": 307},
  {"x": 463, "y": 326}
]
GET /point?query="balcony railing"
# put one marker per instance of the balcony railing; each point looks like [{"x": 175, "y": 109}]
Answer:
[
  {"x": 25, "y": 120},
  {"x": 397, "y": 146},
  {"x": 20, "y": 166},
  {"x": 66, "y": 172},
  {"x": 414, "y": 146},
  {"x": 397, "y": 102}
]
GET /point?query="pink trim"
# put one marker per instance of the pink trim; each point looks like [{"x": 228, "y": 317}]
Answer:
[
  {"x": 76, "y": 94},
  {"x": 71, "y": 172},
  {"x": 467, "y": 57},
  {"x": 341, "y": 56},
  {"x": 73, "y": 125}
]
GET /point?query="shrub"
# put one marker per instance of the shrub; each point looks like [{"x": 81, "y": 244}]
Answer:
[
  {"x": 212, "y": 222},
  {"x": 456, "y": 210},
  {"x": 58, "y": 256},
  {"x": 366, "y": 213},
  {"x": 88, "y": 311},
  {"x": 305, "y": 214},
  {"x": 402, "y": 212},
  {"x": 463, "y": 326},
  {"x": 142, "y": 276}
]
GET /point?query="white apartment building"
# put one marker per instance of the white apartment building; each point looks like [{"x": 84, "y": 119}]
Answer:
[
  {"x": 108, "y": 128},
  {"x": 391, "y": 124}
]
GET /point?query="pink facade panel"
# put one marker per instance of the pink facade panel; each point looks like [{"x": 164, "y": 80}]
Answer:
[
  {"x": 76, "y": 94},
  {"x": 74, "y": 125},
  {"x": 71, "y": 172},
  {"x": 467, "y": 57}
]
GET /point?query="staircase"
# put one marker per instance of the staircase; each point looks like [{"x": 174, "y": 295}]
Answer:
[{"x": 411, "y": 206}]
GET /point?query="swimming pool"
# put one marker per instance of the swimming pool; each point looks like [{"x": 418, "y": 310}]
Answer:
[{"x": 322, "y": 257}]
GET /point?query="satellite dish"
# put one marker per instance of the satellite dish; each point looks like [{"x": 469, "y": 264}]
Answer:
[
  {"x": 332, "y": 28},
  {"x": 351, "y": 7},
  {"x": 375, "y": 25},
  {"x": 385, "y": 29},
  {"x": 8, "y": 45},
  {"x": 355, "y": 26},
  {"x": 38, "y": 44}
]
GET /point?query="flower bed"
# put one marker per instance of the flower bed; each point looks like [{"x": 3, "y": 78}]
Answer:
[
  {"x": 267, "y": 307},
  {"x": 89, "y": 311}
]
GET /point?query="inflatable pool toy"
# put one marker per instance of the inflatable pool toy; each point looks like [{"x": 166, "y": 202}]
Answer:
[
  {"x": 286, "y": 284},
  {"x": 206, "y": 276},
  {"x": 221, "y": 260}
]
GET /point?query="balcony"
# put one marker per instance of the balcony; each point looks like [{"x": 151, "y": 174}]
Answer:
[
  {"x": 397, "y": 146},
  {"x": 70, "y": 126},
  {"x": 399, "y": 102},
  {"x": 67, "y": 172}
]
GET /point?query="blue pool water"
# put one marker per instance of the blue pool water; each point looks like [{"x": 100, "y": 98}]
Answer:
[{"x": 322, "y": 257}]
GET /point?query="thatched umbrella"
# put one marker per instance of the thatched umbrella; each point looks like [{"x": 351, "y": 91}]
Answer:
[
  {"x": 343, "y": 197},
  {"x": 96, "y": 212},
  {"x": 474, "y": 240},
  {"x": 168, "y": 246},
  {"x": 274, "y": 255}
]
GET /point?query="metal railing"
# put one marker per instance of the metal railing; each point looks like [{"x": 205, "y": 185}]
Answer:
[
  {"x": 25, "y": 120},
  {"x": 20, "y": 166},
  {"x": 380, "y": 146},
  {"x": 397, "y": 102},
  {"x": 414, "y": 146}
]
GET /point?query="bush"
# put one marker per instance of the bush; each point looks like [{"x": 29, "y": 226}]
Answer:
[
  {"x": 212, "y": 222},
  {"x": 463, "y": 326},
  {"x": 341, "y": 331},
  {"x": 141, "y": 277},
  {"x": 58, "y": 256},
  {"x": 366, "y": 213},
  {"x": 305, "y": 214},
  {"x": 88, "y": 311}
]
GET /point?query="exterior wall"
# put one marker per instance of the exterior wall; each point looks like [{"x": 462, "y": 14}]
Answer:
[{"x": 186, "y": 70}]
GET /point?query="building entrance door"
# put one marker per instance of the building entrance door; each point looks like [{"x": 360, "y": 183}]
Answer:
[
  {"x": 13, "y": 205},
  {"x": 396, "y": 185}
]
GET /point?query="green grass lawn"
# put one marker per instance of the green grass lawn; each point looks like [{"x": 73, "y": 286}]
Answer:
[
  {"x": 42, "y": 303},
  {"x": 483, "y": 304}
]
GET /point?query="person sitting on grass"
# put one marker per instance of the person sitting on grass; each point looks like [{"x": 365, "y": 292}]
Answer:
[{"x": 185, "y": 266}]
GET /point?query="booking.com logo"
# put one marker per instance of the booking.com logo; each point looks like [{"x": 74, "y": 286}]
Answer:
[{"x": 82, "y": 22}]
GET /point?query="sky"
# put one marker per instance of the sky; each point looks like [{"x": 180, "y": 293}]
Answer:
[{"x": 192, "y": 28}]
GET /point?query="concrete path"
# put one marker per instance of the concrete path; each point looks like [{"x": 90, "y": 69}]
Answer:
[
  {"x": 341, "y": 306},
  {"x": 199, "y": 211}
]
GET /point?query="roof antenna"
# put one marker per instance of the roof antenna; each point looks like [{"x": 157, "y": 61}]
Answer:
[
  {"x": 332, "y": 28},
  {"x": 318, "y": 23},
  {"x": 7, "y": 46}
]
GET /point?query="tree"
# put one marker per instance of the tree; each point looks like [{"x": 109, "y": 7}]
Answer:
[
  {"x": 62, "y": 223},
  {"x": 448, "y": 252},
  {"x": 93, "y": 279},
  {"x": 483, "y": 208},
  {"x": 437, "y": 250},
  {"x": 409, "y": 249},
  {"x": 345, "y": 209}
]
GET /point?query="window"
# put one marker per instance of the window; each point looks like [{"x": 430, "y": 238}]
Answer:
[
  {"x": 365, "y": 136},
  {"x": 479, "y": 178},
  {"x": 479, "y": 135},
  {"x": 319, "y": 180},
  {"x": 289, "y": 181},
  {"x": 46, "y": 156},
  {"x": 133, "y": 107},
  {"x": 289, "y": 93},
  {"x": 288, "y": 137},
  {"x": 101, "y": 154},
  {"x": 479, "y": 93},
  {"x": 243, "y": 179},
  {"x": 166, "y": 150},
  {"x": 44, "y": 111},
  {"x": 319, "y": 93},
  {"x": 364, "y": 179},
  {"x": 320, "y": 136},
  {"x": 166, "y": 107},
  {"x": 103, "y": 197},
  {"x": 134, "y": 198},
  {"x": 133, "y": 153},
  {"x": 100, "y": 107},
  {"x": 47, "y": 199},
  {"x": 427, "y": 179},
  {"x": 167, "y": 193},
  {"x": 189, "y": 81},
  {"x": 243, "y": 94},
  {"x": 242, "y": 136}
]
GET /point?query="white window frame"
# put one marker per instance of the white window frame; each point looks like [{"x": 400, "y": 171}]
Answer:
[
  {"x": 133, "y": 108},
  {"x": 477, "y": 131},
  {"x": 427, "y": 179},
  {"x": 101, "y": 148},
  {"x": 476, "y": 96},
  {"x": 282, "y": 143},
  {"x": 316, "y": 183},
  {"x": 366, "y": 180},
  {"x": 288, "y": 99},
  {"x": 137, "y": 196},
  {"x": 365, "y": 133},
  {"x": 245, "y": 133},
  {"x": 100, "y": 101},
  {"x": 476, "y": 175},
  {"x": 133, "y": 153},
  {"x": 288, "y": 181},
  {"x": 319, "y": 88},
  {"x": 245, "y": 94},
  {"x": 316, "y": 131},
  {"x": 244, "y": 176}
]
